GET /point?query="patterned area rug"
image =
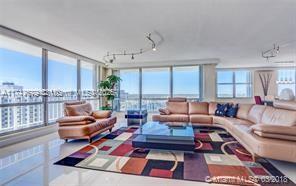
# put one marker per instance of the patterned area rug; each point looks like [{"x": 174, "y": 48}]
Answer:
[{"x": 218, "y": 158}]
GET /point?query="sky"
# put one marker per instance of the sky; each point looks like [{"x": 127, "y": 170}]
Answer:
[{"x": 25, "y": 70}]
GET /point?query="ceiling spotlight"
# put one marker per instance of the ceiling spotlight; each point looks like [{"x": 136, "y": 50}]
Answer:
[
  {"x": 114, "y": 57},
  {"x": 133, "y": 57}
]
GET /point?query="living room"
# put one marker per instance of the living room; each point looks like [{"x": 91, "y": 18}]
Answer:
[{"x": 148, "y": 92}]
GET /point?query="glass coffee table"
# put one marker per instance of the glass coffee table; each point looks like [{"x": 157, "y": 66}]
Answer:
[{"x": 166, "y": 135}]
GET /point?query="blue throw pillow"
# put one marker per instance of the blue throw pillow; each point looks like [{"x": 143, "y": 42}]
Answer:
[
  {"x": 221, "y": 109},
  {"x": 232, "y": 111}
]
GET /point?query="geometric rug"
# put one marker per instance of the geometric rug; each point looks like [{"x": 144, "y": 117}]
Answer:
[{"x": 218, "y": 158}]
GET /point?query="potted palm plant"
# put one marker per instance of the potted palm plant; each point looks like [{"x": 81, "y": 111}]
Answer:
[{"x": 108, "y": 90}]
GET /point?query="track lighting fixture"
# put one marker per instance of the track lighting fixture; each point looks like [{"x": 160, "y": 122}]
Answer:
[
  {"x": 271, "y": 52},
  {"x": 110, "y": 58}
]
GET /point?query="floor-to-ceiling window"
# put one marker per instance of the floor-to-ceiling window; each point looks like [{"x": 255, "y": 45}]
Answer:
[
  {"x": 129, "y": 89},
  {"x": 149, "y": 88},
  {"x": 155, "y": 88},
  {"x": 62, "y": 82},
  {"x": 20, "y": 77},
  {"x": 88, "y": 83},
  {"x": 286, "y": 79},
  {"x": 234, "y": 84},
  {"x": 35, "y": 82},
  {"x": 186, "y": 82}
]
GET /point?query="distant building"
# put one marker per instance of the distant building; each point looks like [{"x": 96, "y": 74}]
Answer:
[{"x": 17, "y": 117}]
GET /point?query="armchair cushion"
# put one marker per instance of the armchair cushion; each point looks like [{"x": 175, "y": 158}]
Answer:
[
  {"x": 101, "y": 114},
  {"x": 78, "y": 110},
  {"x": 70, "y": 119},
  {"x": 164, "y": 111},
  {"x": 273, "y": 131}
]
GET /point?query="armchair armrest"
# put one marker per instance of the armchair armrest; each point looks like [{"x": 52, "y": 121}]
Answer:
[
  {"x": 275, "y": 131},
  {"x": 164, "y": 111},
  {"x": 101, "y": 114},
  {"x": 70, "y": 119}
]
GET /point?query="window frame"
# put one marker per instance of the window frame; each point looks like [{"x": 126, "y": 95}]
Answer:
[{"x": 250, "y": 83}]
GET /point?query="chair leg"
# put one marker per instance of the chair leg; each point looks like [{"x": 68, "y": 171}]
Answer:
[
  {"x": 110, "y": 130},
  {"x": 66, "y": 140},
  {"x": 89, "y": 140}
]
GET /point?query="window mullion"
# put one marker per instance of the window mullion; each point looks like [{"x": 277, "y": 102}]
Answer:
[
  {"x": 78, "y": 79},
  {"x": 234, "y": 85},
  {"x": 45, "y": 84}
]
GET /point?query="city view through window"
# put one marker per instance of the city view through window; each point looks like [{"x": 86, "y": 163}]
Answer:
[{"x": 21, "y": 71}]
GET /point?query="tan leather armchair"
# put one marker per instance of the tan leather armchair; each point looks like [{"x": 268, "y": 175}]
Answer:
[{"x": 81, "y": 122}]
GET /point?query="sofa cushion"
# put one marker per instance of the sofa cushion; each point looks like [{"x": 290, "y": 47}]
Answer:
[
  {"x": 274, "y": 116},
  {"x": 212, "y": 108},
  {"x": 243, "y": 111},
  {"x": 201, "y": 119},
  {"x": 198, "y": 108},
  {"x": 171, "y": 118},
  {"x": 255, "y": 113},
  {"x": 80, "y": 130},
  {"x": 177, "y": 107},
  {"x": 230, "y": 122},
  {"x": 78, "y": 110}
]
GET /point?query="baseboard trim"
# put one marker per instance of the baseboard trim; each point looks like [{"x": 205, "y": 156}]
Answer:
[{"x": 26, "y": 135}]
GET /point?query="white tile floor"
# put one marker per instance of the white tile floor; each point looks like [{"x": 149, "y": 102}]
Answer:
[{"x": 30, "y": 163}]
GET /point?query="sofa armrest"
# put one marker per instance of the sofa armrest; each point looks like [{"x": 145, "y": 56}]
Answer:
[
  {"x": 101, "y": 114},
  {"x": 274, "y": 129},
  {"x": 164, "y": 111},
  {"x": 70, "y": 119}
]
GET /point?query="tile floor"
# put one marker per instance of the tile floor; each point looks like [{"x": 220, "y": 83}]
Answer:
[{"x": 30, "y": 163}]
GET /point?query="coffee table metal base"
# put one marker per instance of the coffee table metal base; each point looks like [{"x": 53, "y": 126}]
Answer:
[{"x": 141, "y": 141}]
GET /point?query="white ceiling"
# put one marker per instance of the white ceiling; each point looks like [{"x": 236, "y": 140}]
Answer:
[{"x": 233, "y": 31}]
